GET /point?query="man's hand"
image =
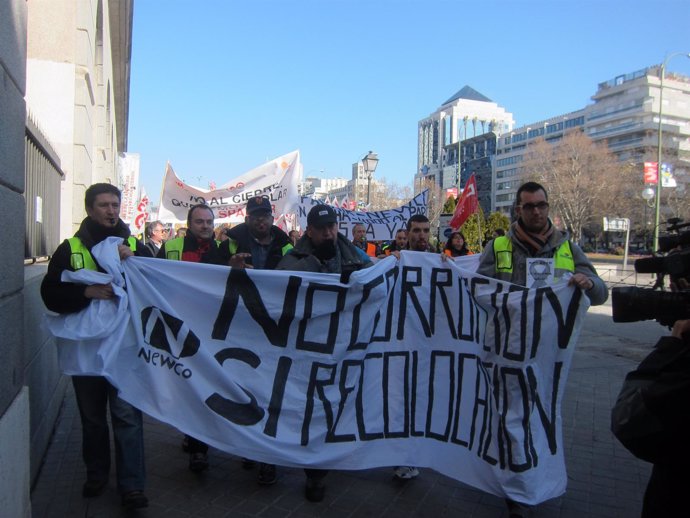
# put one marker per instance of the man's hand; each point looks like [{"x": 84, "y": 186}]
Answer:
[
  {"x": 581, "y": 281},
  {"x": 396, "y": 254},
  {"x": 681, "y": 329},
  {"x": 99, "y": 291},
  {"x": 124, "y": 252},
  {"x": 238, "y": 261}
]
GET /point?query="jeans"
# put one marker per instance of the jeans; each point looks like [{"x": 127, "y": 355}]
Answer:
[{"x": 94, "y": 393}]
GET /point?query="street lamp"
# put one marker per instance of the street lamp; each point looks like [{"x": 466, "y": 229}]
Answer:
[
  {"x": 648, "y": 195},
  {"x": 369, "y": 162},
  {"x": 657, "y": 202}
]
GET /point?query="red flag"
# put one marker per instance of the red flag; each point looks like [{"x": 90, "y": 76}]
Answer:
[{"x": 467, "y": 204}]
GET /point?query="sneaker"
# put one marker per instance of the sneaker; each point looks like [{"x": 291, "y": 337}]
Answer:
[
  {"x": 314, "y": 489},
  {"x": 405, "y": 472},
  {"x": 267, "y": 474},
  {"x": 248, "y": 464},
  {"x": 185, "y": 444},
  {"x": 134, "y": 500},
  {"x": 93, "y": 488},
  {"x": 518, "y": 509},
  {"x": 198, "y": 462}
]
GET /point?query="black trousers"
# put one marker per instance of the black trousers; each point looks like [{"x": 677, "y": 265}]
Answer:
[{"x": 666, "y": 494}]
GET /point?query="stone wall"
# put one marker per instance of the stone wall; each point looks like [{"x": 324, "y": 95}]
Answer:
[{"x": 14, "y": 396}]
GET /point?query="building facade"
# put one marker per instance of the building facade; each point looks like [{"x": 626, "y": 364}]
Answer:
[
  {"x": 624, "y": 114},
  {"x": 510, "y": 151},
  {"x": 78, "y": 72},
  {"x": 15, "y": 481},
  {"x": 478, "y": 156},
  {"x": 67, "y": 63},
  {"x": 466, "y": 114}
]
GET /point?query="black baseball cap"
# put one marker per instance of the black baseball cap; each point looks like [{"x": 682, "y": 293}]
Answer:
[
  {"x": 259, "y": 204},
  {"x": 320, "y": 215}
]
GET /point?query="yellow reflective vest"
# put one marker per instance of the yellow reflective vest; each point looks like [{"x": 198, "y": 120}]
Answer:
[
  {"x": 81, "y": 258},
  {"x": 503, "y": 253},
  {"x": 174, "y": 247}
]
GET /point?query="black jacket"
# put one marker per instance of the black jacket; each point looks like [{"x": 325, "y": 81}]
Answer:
[
  {"x": 241, "y": 236},
  {"x": 68, "y": 297},
  {"x": 302, "y": 258}
]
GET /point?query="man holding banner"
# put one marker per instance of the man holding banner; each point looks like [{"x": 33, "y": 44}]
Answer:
[
  {"x": 95, "y": 393},
  {"x": 535, "y": 254},
  {"x": 197, "y": 246},
  {"x": 258, "y": 244},
  {"x": 323, "y": 249}
]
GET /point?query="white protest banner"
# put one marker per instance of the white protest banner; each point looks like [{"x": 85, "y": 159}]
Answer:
[
  {"x": 396, "y": 367},
  {"x": 277, "y": 179},
  {"x": 128, "y": 176},
  {"x": 381, "y": 225}
]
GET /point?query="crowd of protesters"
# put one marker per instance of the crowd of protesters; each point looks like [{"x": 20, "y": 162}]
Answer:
[{"x": 259, "y": 244}]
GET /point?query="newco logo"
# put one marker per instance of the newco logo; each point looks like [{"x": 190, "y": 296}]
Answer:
[{"x": 170, "y": 334}]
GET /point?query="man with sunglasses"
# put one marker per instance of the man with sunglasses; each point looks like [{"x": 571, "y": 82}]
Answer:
[
  {"x": 257, "y": 243},
  {"x": 533, "y": 235},
  {"x": 533, "y": 253}
]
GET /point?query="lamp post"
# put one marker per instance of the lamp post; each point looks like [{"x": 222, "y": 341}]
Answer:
[
  {"x": 369, "y": 162},
  {"x": 648, "y": 195},
  {"x": 657, "y": 201}
]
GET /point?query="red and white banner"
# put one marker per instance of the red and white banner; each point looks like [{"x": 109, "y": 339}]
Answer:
[
  {"x": 467, "y": 204},
  {"x": 277, "y": 179},
  {"x": 651, "y": 172},
  {"x": 142, "y": 214},
  {"x": 128, "y": 176}
]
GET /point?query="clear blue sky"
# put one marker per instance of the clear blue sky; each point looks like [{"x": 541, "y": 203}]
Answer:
[{"x": 220, "y": 86}]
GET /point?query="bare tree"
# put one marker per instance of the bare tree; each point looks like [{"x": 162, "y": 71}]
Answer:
[
  {"x": 584, "y": 179},
  {"x": 385, "y": 195}
]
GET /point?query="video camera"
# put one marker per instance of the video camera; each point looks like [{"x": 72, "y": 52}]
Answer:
[{"x": 634, "y": 304}]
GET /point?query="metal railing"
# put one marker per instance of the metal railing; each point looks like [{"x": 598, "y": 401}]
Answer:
[
  {"x": 615, "y": 276},
  {"x": 42, "y": 175}
]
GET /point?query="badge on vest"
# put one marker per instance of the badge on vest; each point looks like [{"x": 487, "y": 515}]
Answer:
[{"x": 539, "y": 272}]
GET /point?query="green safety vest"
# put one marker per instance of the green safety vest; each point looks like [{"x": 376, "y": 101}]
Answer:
[
  {"x": 232, "y": 246},
  {"x": 173, "y": 248},
  {"x": 503, "y": 253},
  {"x": 81, "y": 258}
]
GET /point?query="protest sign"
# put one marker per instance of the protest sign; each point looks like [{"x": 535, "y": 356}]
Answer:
[
  {"x": 380, "y": 225},
  {"x": 396, "y": 367},
  {"x": 276, "y": 179}
]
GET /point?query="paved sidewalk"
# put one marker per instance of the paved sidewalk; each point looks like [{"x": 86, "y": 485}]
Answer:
[{"x": 604, "y": 480}]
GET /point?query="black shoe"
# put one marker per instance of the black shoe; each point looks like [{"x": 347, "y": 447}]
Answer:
[
  {"x": 314, "y": 490},
  {"x": 267, "y": 474},
  {"x": 185, "y": 444},
  {"x": 248, "y": 464},
  {"x": 134, "y": 500},
  {"x": 198, "y": 462},
  {"x": 93, "y": 488},
  {"x": 518, "y": 509}
]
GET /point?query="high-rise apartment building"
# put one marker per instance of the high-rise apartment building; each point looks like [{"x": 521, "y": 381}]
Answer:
[{"x": 624, "y": 114}]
